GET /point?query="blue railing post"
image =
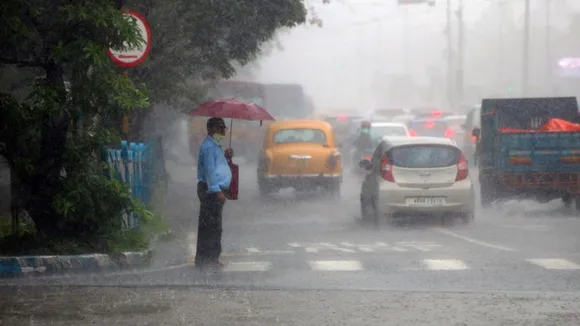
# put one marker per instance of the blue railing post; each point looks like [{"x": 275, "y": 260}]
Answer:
[{"x": 133, "y": 164}]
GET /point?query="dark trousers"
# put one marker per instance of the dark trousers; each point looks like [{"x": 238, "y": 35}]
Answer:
[{"x": 209, "y": 229}]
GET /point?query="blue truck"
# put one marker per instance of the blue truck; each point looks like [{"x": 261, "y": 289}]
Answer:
[{"x": 528, "y": 164}]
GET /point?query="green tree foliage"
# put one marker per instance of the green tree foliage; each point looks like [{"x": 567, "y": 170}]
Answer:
[
  {"x": 196, "y": 41},
  {"x": 59, "y": 92},
  {"x": 52, "y": 133},
  {"x": 202, "y": 40}
]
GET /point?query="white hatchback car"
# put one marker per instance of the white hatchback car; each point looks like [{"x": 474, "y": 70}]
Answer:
[
  {"x": 409, "y": 176},
  {"x": 390, "y": 129}
]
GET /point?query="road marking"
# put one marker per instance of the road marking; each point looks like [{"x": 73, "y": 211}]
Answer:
[
  {"x": 247, "y": 266},
  {"x": 255, "y": 252},
  {"x": 336, "y": 265},
  {"x": 561, "y": 264},
  {"x": 445, "y": 265},
  {"x": 418, "y": 245},
  {"x": 533, "y": 227},
  {"x": 474, "y": 241},
  {"x": 311, "y": 250}
]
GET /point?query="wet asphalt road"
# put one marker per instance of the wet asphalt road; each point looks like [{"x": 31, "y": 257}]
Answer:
[{"x": 312, "y": 241}]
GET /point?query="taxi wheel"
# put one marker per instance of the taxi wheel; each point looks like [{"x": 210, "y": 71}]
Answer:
[
  {"x": 264, "y": 189},
  {"x": 334, "y": 189}
]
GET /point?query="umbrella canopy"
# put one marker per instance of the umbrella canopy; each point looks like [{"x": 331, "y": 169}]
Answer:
[{"x": 232, "y": 109}]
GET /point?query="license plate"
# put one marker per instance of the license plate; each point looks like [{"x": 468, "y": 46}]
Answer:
[
  {"x": 425, "y": 201},
  {"x": 300, "y": 164}
]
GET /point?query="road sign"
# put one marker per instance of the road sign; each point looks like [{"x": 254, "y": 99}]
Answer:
[{"x": 133, "y": 57}]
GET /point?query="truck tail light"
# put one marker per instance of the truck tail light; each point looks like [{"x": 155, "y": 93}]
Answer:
[
  {"x": 462, "y": 169},
  {"x": 387, "y": 169}
]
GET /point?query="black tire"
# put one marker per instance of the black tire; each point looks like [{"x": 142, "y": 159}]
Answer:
[
  {"x": 577, "y": 204},
  {"x": 468, "y": 218},
  {"x": 486, "y": 193},
  {"x": 264, "y": 189},
  {"x": 334, "y": 188},
  {"x": 567, "y": 200}
]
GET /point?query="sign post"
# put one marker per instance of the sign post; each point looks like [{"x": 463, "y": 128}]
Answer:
[{"x": 132, "y": 57}]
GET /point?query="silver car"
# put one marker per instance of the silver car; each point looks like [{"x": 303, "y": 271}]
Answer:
[{"x": 410, "y": 176}]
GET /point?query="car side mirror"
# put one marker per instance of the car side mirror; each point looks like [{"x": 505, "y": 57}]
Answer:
[
  {"x": 365, "y": 164},
  {"x": 476, "y": 132}
]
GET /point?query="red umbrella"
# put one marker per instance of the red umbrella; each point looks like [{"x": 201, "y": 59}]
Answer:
[{"x": 232, "y": 109}]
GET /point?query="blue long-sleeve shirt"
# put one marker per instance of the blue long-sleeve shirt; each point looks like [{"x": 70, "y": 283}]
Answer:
[{"x": 212, "y": 166}]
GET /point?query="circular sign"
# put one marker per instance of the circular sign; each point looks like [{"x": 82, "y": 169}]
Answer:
[{"x": 132, "y": 57}]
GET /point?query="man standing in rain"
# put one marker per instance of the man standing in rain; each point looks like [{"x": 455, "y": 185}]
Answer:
[{"x": 214, "y": 177}]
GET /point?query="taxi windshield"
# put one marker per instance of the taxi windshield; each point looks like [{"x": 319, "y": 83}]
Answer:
[{"x": 299, "y": 135}]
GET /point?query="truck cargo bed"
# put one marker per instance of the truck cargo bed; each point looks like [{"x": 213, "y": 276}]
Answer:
[{"x": 538, "y": 152}]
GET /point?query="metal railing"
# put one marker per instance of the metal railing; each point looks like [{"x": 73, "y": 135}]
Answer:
[{"x": 138, "y": 165}]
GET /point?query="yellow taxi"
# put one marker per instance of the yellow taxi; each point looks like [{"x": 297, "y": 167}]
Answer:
[{"x": 299, "y": 154}]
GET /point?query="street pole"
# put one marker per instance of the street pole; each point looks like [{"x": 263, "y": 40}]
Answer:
[
  {"x": 460, "y": 54},
  {"x": 500, "y": 51},
  {"x": 547, "y": 46},
  {"x": 450, "y": 70},
  {"x": 526, "y": 49},
  {"x": 405, "y": 39}
]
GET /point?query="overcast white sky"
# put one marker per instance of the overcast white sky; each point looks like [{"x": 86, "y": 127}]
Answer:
[{"x": 335, "y": 63}]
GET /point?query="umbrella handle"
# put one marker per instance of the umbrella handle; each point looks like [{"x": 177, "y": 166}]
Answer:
[{"x": 231, "y": 131}]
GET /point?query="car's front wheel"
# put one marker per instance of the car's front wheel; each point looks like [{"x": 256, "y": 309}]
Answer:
[
  {"x": 264, "y": 188},
  {"x": 468, "y": 218}
]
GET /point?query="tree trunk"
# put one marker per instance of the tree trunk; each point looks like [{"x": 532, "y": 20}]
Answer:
[{"x": 46, "y": 181}]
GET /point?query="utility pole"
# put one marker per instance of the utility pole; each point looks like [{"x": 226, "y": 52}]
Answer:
[
  {"x": 526, "y": 49},
  {"x": 406, "y": 39},
  {"x": 460, "y": 53},
  {"x": 547, "y": 46},
  {"x": 450, "y": 79}
]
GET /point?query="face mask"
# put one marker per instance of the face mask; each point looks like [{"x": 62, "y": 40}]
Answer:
[
  {"x": 218, "y": 137},
  {"x": 365, "y": 131}
]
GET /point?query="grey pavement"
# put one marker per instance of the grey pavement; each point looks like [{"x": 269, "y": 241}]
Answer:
[
  {"x": 295, "y": 243},
  {"x": 223, "y": 307}
]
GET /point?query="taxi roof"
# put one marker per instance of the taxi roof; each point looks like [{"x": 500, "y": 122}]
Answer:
[{"x": 293, "y": 123}]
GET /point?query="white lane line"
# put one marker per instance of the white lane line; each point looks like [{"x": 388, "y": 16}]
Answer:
[
  {"x": 474, "y": 241},
  {"x": 551, "y": 263},
  {"x": 256, "y": 253},
  {"x": 445, "y": 265},
  {"x": 311, "y": 250},
  {"x": 253, "y": 250},
  {"x": 247, "y": 266},
  {"x": 533, "y": 227},
  {"x": 336, "y": 265}
]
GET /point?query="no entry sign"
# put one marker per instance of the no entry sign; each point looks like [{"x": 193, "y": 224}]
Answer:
[{"x": 135, "y": 56}]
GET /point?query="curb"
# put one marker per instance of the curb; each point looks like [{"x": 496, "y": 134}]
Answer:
[{"x": 19, "y": 266}]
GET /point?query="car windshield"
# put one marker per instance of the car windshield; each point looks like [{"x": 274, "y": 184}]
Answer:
[
  {"x": 299, "y": 135},
  {"x": 424, "y": 156},
  {"x": 429, "y": 128},
  {"x": 381, "y": 131}
]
